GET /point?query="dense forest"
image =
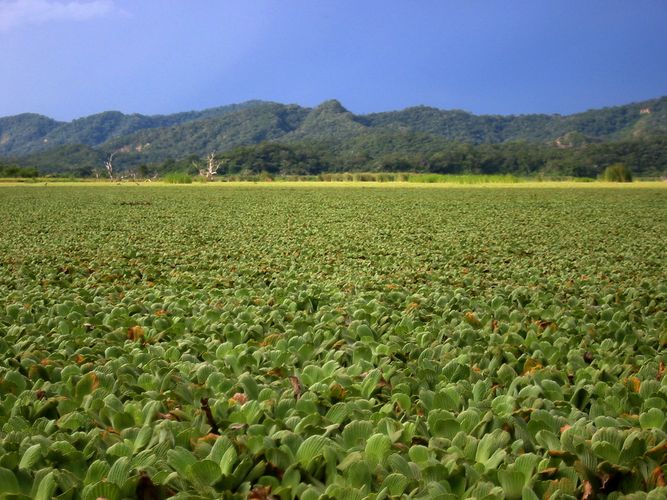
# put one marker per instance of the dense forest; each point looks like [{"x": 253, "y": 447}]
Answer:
[
  {"x": 276, "y": 139},
  {"x": 645, "y": 158}
]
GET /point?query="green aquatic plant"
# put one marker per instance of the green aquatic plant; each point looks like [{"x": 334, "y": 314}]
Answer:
[{"x": 328, "y": 342}]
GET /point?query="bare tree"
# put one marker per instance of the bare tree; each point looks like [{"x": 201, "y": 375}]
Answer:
[
  {"x": 109, "y": 166},
  {"x": 212, "y": 166}
]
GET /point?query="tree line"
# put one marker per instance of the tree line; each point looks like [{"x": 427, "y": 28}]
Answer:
[
  {"x": 378, "y": 153},
  {"x": 646, "y": 158}
]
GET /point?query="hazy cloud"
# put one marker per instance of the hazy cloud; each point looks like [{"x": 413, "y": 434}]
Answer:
[{"x": 14, "y": 13}]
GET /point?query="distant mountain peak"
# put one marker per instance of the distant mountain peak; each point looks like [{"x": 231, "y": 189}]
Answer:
[{"x": 331, "y": 106}]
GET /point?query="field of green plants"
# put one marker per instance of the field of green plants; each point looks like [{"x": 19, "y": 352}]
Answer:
[{"x": 332, "y": 342}]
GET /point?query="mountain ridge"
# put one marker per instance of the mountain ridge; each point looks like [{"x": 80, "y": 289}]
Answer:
[
  {"x": 32, "y": 139},
  {"x": 95, "y": 129}
]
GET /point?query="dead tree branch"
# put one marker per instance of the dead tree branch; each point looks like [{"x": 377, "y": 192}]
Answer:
[
  {"x": 109, "y": 166},
  {"x": 212, "y": 166}
]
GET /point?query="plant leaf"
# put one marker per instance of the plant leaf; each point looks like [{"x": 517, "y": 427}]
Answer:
[
  {"x": 205, "y": 472},
  {"x": 8, "y": 483},
  {"x": 377, "y": 449},
  {"x": 512, "y": 482},
  {"x": 180, "y": 459},
  {"x": 30, "y": 457},
  {"x": 310, "y": 449},
  {"x": 119, "y": 472},
  {"x": 101, "y": 489},
  {"x": 46, "y": 487}
]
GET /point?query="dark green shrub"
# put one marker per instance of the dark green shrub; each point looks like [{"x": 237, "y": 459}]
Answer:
[
  {"x": 364, "y": 177},
  {"x": 178, "y": 178},
  {"x": 18, "y": 172},
  {"x": 617, "y": 173}
]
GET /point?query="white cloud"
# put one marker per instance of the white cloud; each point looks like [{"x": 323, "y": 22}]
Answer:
[{"x": 14, "y": 13}]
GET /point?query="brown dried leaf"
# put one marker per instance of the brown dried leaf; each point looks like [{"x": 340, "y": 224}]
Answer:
[
  {"x": 209, "y": 437},
  {"x": 412, "y": 306},
  {"x": 558, "y": 453},
  {"x": 260, "y": 493},
  {"x": 383, "y": 383},
  {"x": 96, "y": 380},
  {"x": 270, "y": 339},
  {"x": 531, "y": 366},
  {"x": 661, "y": 449},
  {"x": 588, "y": 491},
  {"x": 635, "y": 383},
  {"x": 338, "y": 392},
  {"x": 168, "y": 416},
  {"x": 296, "y": 386},
  {"x": 135, "y": 332},
  {"x": 549, "y": 472},
  {"x": 472, "y": 318},
  {"x": 275, "y": 372},
  {"x": 338, "y": 344},
  {"x": 541, "y": 324},
  {"x": 274, "y": 470}
]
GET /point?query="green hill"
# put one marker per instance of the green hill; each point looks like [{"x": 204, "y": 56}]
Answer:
[
  {"x": 261, "y": 122},
  {"x": 29, "y": 133},
  {"x": 620, "y": 122},
  {"x": 339, "y": 139},
  {"x": 18, "y": 132}
]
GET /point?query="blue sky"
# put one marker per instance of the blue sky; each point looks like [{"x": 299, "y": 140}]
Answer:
[{"x": 70, "y": 58}]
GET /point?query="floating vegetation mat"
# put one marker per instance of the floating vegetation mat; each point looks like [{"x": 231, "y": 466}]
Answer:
[{"x": 282, "y": 342}]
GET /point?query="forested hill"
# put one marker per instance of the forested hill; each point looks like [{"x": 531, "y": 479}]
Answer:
[
  {"x": 29, "y": 133},
  {"x": 329, "y": 131},
  {"x": 621, "y": 122}
]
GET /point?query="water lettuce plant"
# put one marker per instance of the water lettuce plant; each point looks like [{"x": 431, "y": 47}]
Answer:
[{"x": 284, "y": 342}]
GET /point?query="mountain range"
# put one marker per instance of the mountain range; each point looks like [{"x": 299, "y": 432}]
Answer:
[{"x": 140, "y": 139}]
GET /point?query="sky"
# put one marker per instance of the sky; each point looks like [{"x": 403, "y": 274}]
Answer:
[{"x": 72, "y": 58}]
